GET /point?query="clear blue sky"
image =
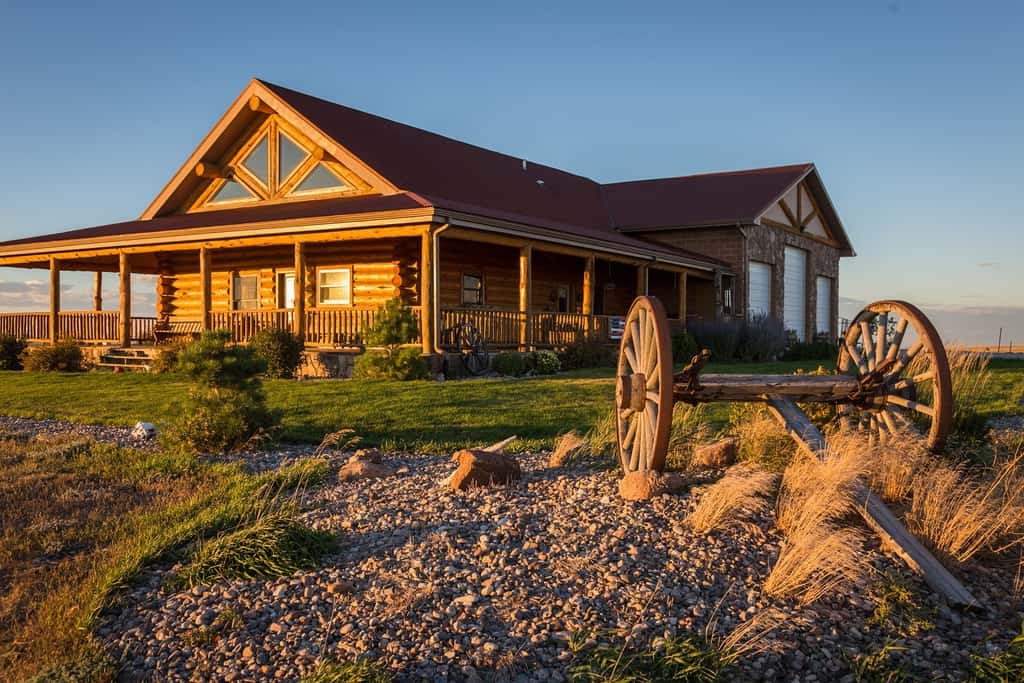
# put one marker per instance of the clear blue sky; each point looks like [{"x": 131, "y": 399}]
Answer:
[{"x": 912, "y": 110}]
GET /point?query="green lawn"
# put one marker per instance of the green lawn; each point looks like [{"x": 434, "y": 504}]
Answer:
[{"x": 423, "y": 415}]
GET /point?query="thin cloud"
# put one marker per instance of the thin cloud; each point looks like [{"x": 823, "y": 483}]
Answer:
[{"x": 989, "y": 264}]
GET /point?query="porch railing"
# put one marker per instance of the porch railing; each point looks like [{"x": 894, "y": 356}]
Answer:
[
  {"x": 343, "y": 327},
  {"x": 82, "y": 326},
  {"x": 498, "y": 328},
  {"x": 244, "y": 324},
  {"x": 89, "y": 326},
  {"x": 27, "y": 326}
]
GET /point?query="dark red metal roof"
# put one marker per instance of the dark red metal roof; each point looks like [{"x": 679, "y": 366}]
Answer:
[
  {"x": 259, "y": 213},
  {"x": 433, "y": 170},
  {"x": 700, "y": 200}
]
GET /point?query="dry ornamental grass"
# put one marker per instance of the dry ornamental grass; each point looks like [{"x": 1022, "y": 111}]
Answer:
[{"x": 741, "y": 492}]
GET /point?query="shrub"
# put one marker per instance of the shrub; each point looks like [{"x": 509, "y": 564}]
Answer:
[
  {"x": 509, "y": 364},
  {"x": 587, "y": 352},
  {"x": 11, "y": 349},
  {"x": 684, "y": 347},
  {"x": 394, "y": 326},
  {"x": 166, "y": 358},
  {"x": 64, "y": 356},
  {"x": 226, "y": 406},
  {"x": 403, "y": 364},
  {"x": 815, "y": 350},
  {"x": 546, "y": 362},
  {"x": 762, "y": 338},
  {"x": 274, "y": 544},
  {"x": 720, "y": 337},
  {"x": 281, "y": 351},
  {"x": 1003, "y": 666}
]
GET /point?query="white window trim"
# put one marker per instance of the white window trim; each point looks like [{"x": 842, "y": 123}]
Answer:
[{"x": 319, "y": 287}]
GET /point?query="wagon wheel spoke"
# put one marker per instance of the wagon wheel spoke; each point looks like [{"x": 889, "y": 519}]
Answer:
[{"x": 915, "y": 389}]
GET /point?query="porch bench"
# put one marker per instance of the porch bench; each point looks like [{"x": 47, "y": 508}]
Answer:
[{"x": 167, "y": 330}]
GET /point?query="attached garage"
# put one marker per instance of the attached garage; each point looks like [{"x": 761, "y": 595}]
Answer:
[
  {"x": 795, "y": 292},
  {"x": 759, "y": 289},
  {"x": 823, "y": 310}
]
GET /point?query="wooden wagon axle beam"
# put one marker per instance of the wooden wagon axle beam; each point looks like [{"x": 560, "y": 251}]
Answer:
[{"x": 749, "y": 388}]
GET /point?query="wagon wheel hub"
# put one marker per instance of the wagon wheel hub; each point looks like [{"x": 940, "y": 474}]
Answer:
[{"x": 631, "y": 392}]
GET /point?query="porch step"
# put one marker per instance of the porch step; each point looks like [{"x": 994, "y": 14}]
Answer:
[{"x": 138, "y": 360}]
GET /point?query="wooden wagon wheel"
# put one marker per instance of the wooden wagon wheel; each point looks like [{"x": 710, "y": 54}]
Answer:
[
  {"x": 473, "y": 348},
  {"x": 643, "y": 389},
  {"x": 900, "y": 385}
]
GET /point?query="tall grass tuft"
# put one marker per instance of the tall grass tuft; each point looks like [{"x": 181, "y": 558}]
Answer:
[
  {"x": 819, "y": 555},
  {"x": 567, "y": 448},
  {"x": 357, "y": 671},
  {"x": 816, "y": 562},
  {"x": 763, "y": 441},
  {"x": 268, "y": 542},
  {"x": 689, "y": 429},
  {"x": 960, "y": 514},
  {"x": 275, "y": 544},
  {"x": 741, "y": 492},
  {"x": 970, "y": 379}
]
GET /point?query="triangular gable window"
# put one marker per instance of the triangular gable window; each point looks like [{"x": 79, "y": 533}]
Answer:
[
  {"x": 258, "y": 161},
  {"x": 232, "y": 191},
  {"x": 276, "y": 162},
  {"x": 290, "y": 157},
  {"x": 320, "y": 179}
]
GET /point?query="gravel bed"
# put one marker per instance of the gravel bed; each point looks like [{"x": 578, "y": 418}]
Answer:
[
  {"x": 28, "y": 428},
  {"x": 489, "y": 585}
]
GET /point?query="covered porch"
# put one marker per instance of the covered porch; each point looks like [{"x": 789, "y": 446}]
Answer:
[{"x": 328, "y": 287}]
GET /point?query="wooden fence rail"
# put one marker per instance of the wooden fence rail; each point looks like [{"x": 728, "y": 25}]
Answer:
[
  {"x": 27, "y": 326},
  {"x": 498, "y": 328},
  {"x": 89, "y": 326},
  {"x": 244, "y": 324}
]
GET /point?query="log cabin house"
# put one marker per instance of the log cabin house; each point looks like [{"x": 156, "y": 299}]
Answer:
[{"x": 299, "y": 213}]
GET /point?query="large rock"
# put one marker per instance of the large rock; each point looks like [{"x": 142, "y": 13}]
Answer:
[
  {"x": 721, "y": 453},
  {"x": 647, "y": 484},
  {"x": 483, "y": 468},
  {"x": 364, "y": 464}
]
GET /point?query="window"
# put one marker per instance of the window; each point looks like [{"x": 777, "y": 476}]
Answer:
[
  {"x": 823, "y": 310},
  {"x": 472, "y": 289},
  {"x": 245, "y": 292},
  {"x": 334, "y": 286},
  {"x": 286, "y": 290},
  {"x": 727, "y": 288},
  {"x": 275, "y": 164},
  {"x": 759, "y": 289},
  {"x": 562, "y": 299}
]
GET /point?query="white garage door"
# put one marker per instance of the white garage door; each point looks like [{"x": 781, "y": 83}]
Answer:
[
  {"x": 795, "y": 293},
  {"x": 824, "y": 307},
  {"x": 759, "y": 290}
]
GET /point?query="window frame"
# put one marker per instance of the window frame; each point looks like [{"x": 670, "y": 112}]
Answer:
[
  {"x": 320, "y": 271},
  {"x": 481, "y": 288},
  {"x": 281, "y": 296},
  {"x": 235, "y": 277}
]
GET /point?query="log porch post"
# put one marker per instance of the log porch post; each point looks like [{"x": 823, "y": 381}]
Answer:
[
  {"x": 682, "y": 298},
  {"x": 641, "y": 280},
  {"x": 204, "y": 288},
  {"x": 125, "y": 286},
  {"x": 299, "y": 295},
  {"x": 588, "y": 293},
  {"x": 97, "y": 294},
  {"x": 427, "y": 265},
  {"x": 54, "y": 300},
  {"x": 525, "y": 295}
]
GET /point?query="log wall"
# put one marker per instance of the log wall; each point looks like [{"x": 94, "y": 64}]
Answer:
[{"x": 381, "y": 269}]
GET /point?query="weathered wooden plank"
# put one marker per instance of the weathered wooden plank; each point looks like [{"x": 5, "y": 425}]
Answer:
[
  {"x": 756, "y": 387},
  {"x": 879, "y": 517}
]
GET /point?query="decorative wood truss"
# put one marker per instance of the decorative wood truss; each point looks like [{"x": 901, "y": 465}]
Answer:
[
  {"x": 272, "y": 162},
  {"x": 798, "y": 211}
]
